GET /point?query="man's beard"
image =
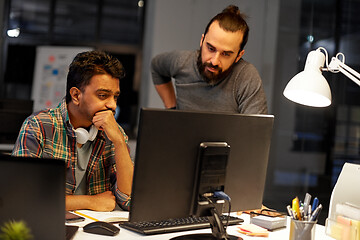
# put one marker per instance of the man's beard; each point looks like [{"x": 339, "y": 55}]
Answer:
[{"x": 212, "y": 78}]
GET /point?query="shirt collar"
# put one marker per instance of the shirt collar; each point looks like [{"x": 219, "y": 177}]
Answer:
[{"x": 65, "y": 116}]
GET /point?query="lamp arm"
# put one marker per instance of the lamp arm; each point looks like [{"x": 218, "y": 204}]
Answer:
[
  {"x": 350, "y": 73},
  {"x": 337, "y": 65},
  {"x": 326, "y": 55},
  {"x": 346, "y": 69}
]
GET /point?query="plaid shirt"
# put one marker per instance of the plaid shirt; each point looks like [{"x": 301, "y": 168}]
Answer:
[{"x": 49, "y": 134}]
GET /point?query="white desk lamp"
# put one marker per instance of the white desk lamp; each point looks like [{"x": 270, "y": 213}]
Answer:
[{"x": 309, "y": 87}]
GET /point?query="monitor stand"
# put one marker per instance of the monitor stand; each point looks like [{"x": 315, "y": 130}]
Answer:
[{"x": 217, "y": 229}]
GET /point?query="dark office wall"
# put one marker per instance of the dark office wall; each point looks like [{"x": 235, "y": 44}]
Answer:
[
  {"x": 2, "y": 26},
  {"x": 310, "y": 145},
  {"x": 111, "y": 26}
]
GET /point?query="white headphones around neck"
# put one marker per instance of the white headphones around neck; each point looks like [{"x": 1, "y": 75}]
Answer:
[{"x": 82, "y": 135}]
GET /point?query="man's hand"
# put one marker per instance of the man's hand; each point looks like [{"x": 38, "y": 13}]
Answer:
[
  {"x": 124, "y": 167},
  {"x": 103, "y": 202},
  {"x": 105, "y": 120}
]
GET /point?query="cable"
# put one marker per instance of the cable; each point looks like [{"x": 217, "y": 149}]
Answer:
[{"x": 222, "y": 195}]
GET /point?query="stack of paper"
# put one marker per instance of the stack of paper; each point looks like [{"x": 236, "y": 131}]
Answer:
[{"x": 270, "y": 223}]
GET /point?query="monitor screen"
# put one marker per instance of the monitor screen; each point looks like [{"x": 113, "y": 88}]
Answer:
[
  {"x": 167, "y": 169},
  {"x": 33, "y": 191}
]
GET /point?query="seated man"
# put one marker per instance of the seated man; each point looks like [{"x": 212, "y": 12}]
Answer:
[{"x": 82, "y": 130}]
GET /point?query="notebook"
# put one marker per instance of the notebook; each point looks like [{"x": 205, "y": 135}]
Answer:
[{"x": 33, "y": 190}]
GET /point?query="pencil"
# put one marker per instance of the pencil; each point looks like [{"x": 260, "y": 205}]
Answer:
[{"x": 84, "y": 215}]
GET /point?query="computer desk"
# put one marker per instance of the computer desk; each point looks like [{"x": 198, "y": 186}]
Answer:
[{"x": 130, "y": 235}]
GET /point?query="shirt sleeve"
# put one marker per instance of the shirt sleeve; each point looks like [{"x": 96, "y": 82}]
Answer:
[
  {"x": 122, "y": 199},
  {"x": 165, "y": 66},
  {"x": 29, "y": 141},
  {"x": 251, "y": 95}
]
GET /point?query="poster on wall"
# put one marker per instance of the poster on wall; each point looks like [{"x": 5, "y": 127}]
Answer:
[{"x": 51, "y": 68}]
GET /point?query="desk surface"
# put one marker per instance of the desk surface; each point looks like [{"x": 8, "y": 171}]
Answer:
[{"x": 129, "y": 235}]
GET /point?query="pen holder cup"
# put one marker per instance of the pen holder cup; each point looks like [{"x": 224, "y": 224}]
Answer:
[{"x": 302, "y": 230}]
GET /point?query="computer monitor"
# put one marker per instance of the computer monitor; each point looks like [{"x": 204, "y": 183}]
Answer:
[
  {"x": 167, "y": 160},
  {"x": 32, "y": 190}
]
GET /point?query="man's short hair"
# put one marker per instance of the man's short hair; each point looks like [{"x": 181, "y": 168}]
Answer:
[
  {"x": 230, "y": 19},
  {"x": 87, "y": 64}
]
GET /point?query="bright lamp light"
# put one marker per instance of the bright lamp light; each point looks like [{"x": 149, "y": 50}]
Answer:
[
  {"x": 309, "y": 87},
  {"x": 13, "y": 32}
]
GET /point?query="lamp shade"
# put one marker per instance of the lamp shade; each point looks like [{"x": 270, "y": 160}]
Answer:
[{"x": 309, "y": 87}]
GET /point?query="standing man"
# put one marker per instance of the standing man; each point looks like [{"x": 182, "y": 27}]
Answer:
[
  {"x": 82, "y": 130},
  {"x": 215, "y": 78}
]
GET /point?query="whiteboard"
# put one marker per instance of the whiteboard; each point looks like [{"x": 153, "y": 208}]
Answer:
[{"x": 51, "y": 68}]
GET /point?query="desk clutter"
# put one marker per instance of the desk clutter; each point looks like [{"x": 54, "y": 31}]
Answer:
[
  {"x": 346, "y": 224},
  {"x": 270, "y": 223},
  {"x": 305, "y": 211},
  {"x": 304, "y": 216},
  {"x": 93, "y": 222},
  {"x": 250, "y": 229},
  {"x": 268, "y": 218}
]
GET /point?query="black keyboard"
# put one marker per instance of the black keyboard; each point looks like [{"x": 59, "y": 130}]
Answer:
[{"x": 175, "y": 225}]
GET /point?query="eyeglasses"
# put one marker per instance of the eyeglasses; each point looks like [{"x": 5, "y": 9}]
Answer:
[{"x": 268, "y": 212}]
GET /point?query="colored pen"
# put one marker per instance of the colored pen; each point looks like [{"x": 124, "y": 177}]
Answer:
[
  {"x": 290, "y": 211},
  {"x": 316, "y": 213},
  {"x": 302, "y": 211},
  {"x": 307, "y": 200},
  {"x": 310, "y": 211},
  {"x": 296, "y": 208},
  {"x": 315, "y": 204}
]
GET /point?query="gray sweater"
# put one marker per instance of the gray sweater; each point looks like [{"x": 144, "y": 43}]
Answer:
[{"x": 240, "y": 92}]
